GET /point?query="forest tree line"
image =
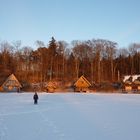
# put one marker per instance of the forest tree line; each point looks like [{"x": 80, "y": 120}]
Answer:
[{"x": 97, "y": 59}]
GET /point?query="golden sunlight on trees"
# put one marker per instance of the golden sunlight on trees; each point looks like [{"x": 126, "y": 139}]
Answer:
[{"x": 98, "y": 60}]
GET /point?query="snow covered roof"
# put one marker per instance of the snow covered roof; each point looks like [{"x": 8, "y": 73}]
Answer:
[{"x": 128, "y": 77}]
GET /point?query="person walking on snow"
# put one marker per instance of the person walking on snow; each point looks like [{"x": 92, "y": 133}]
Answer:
[{"x": 35, "y": 97}]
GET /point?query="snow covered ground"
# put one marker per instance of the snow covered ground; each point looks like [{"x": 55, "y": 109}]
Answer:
[{"x": 70, "y": 117}]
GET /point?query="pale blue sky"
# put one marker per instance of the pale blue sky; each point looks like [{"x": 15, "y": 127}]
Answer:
[{"x": 31, "y": 20}]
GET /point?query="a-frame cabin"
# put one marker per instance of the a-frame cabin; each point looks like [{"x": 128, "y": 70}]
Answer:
[
  {"x": 81, "y": 85},
  {"x": 11, "y": 84}
]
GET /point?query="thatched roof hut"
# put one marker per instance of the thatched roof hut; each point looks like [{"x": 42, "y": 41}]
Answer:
[
  {"x": 82, "y": 85},
  {"x": 11, "y": 84}
]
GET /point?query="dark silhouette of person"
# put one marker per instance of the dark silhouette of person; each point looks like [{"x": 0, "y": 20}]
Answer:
[{"x": 35, "y": 97}]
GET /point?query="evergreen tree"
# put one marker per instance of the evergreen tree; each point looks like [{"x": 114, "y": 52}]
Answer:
[{"x": 52, "y": 49}]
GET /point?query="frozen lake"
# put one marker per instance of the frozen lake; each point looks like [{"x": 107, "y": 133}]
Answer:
[{"x": 70, "y": 117}]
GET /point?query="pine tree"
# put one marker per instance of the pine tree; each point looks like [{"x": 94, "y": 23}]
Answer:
[{"x": 52, "y": 49}]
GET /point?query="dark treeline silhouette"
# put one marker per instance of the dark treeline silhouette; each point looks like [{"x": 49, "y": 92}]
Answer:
[{"x": 98, "y": 60}]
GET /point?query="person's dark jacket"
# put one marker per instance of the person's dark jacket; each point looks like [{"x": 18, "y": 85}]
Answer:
[{"x": 35, "y": 97}]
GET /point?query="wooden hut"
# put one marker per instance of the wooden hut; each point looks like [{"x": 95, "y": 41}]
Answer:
[
  {"x": 82, "y": 85},
  {"x": 131, "y": 83},
  {"x": 51, "y": 86},
  {"x": 127, "y": 86},
  {"x": 11, "y": 84},
  {"x": 136, "y": 84}
]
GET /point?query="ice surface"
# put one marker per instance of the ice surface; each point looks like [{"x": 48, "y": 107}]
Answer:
[{"x": 70, "y": 117}]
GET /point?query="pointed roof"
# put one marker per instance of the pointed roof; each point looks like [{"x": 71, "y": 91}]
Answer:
[
  {"x": 82, "y": 82},
  {"x": 137, "y": 81},
  {"x": 51, "y": 84},
  {"x": 130, "y": 78},
  {"x": 12, "y": 78}
]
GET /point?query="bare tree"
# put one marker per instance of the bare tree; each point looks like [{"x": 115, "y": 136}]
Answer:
[{"x": 61, "y": 50}]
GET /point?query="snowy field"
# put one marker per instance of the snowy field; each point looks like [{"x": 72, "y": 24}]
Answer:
[{"x": 70, "y": 117}]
